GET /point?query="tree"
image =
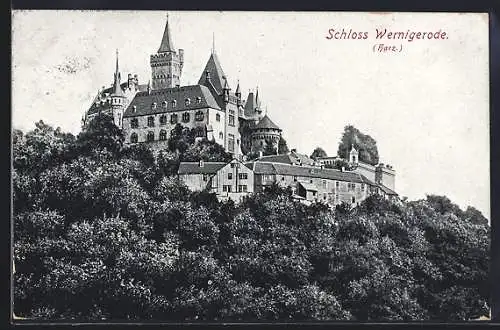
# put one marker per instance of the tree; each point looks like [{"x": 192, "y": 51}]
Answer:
[
  {"x": 318, "y": 152},
  {"x": 100, "y": 135},
  {"x": 365, "y": 144},
  {"x": 282, "y": 146}
]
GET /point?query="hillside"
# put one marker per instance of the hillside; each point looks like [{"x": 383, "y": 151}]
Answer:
[{"x": 103, "y": 231}]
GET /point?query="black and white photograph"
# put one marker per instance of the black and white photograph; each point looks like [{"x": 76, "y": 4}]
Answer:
[{"x": 236, "y": 166}]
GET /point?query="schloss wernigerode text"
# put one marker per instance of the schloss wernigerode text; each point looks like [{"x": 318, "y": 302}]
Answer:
[{"x": 338, "y": 34}]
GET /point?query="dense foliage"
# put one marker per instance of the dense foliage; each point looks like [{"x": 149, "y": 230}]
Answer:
[
  {"x": 364, "y": 144},
  {"x": 104, "y": 231}
]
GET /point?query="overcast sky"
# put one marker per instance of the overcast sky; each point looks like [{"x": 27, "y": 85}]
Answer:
[{"x": 426, "y": 106}]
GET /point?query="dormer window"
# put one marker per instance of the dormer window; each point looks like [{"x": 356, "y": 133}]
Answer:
[
  {"x": 164, "y": 104},
  {"x": 174, "y": 103},
  {"x": 187, "y": 101},
  {"x": 198, "y": 100},
  {"x": 153, "y": 106},
  {"x": 134, "y": 109}
]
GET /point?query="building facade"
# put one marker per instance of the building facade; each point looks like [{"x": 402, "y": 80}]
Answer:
[{"x": 147, "y": 113}]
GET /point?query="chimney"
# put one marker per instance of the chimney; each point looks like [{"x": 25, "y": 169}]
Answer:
[{"x": 201, "y": 163}]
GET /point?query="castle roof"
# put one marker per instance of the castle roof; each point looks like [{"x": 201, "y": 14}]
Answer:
[
  {"x": 166, "y": 42},
  {"x": 292, "y": 158},
  {"x": 195, "y": 168},
  {"x": 266, "y": 123},
  {"x": 265, "y": 167},
  {"x": 198, "y": 95},
  {"x": 250, "y": 105},
  {"x": 216, "y": 74}
]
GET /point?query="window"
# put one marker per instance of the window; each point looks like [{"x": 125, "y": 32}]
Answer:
[
  {"x": 242, "y": 188},
  {"x": 153, "y": 106},
  {"x": 151, "y": 136},
  {"x": 151, "y": 121},
  {"x": 324, "y": 184},
  {"x": 324, "y": 197},
  {"x": 353, "y": 199},
  {"x": 198, "y": 100},
  {"x": 231, "y": 118},
  {"x": 221, "y": 136},
  {"x": 165, "y": 104},
  {"x": 163, "y": 120},
  {"x": 163, "y": 135},
  {"x": 187, "y": 102},
  {"x": 133, "y": 138},
  {"x": 173, "y": 119},
  {"x": 363, "y": 187},
  {"x": 336, "y": 198},
  {"x": 230, "y": 176},
  {"x": 174, "y": 103},
  {"x": 226, "y": 188},
  {"x": 230, "y": 143},
  {"x": 185, "y": 117},
  {"x": 337, "y": 184},
  {"x": 217, "y": 117},
  {"x": 351, "y": 186},
  {"x": 205, "y": 177},
  {"x": 295, "y": 178},
  {"x": 311, "y": 181},
  {"x": 243, "y": 176},
  {"x": 199, "y": 116},
  {"x": 134, "y": 123}
]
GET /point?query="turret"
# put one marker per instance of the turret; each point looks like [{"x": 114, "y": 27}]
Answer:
[
  {"x": 238, "y": 94},
  {"x": 353, "y": 155},
  {"x": 225, "y": 90}
]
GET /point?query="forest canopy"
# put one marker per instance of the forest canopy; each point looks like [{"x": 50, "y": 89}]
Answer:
[{"x": 105, "y": 231}]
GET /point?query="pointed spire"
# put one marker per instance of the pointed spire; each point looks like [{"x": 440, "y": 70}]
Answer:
[
  {"x": 149, "y": 86},
  {"x": 166, "y": 42},
  {"x": 257, "y": 100},
  {"x": 238, "y": 92},
  {"x": 117, "y": 89},
  {"x": 226, "y": 85}
]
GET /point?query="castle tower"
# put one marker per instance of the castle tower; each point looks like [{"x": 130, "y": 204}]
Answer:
[
  {"x": 353, "y": 155},
  {"x": 166, "y": 64},
  {"x": 118, "y": 98}
]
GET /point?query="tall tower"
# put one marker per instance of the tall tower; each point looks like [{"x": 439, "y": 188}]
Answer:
[
  {"x": 118, "y": 98},
  {"x": 166, "y": 64}
]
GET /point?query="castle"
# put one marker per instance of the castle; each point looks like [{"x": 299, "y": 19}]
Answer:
[{"x": 147, "y": 113}]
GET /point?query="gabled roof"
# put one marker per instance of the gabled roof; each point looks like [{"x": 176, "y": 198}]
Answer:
[
  {"x": 387, "y": 190},
  {"x": 216, "y": 73},
  {"x": 308, "y": 186},
  {"x": 166, "y": 41},
  {"x": 292, "y": 158},
  {"x": 266, "y": 123},
  {"x": 194, "y": 167},
  {"x": 143, "y": 101}
]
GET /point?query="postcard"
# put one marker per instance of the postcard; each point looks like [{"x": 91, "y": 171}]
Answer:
[{"x": 232, "y": 166}]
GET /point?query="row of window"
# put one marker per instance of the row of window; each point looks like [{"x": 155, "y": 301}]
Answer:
[
  {"x": 241, "y": 176},
  {"x": 241, "y": 188},
  {"x": 187, "y": 102},
  {"x": 186, "y": 117},
  {"x": 134, "y": 138}
]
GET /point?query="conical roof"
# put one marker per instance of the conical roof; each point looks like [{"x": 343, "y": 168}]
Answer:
[
  {"x": 266, "y": 122},
  {"x": 117, "y": 89},
  {"x": 166, "y": 42},
  {"x": 216, "y": 74}
]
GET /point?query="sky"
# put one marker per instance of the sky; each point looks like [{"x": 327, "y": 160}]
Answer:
[{"x": 427, "y": 106}]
